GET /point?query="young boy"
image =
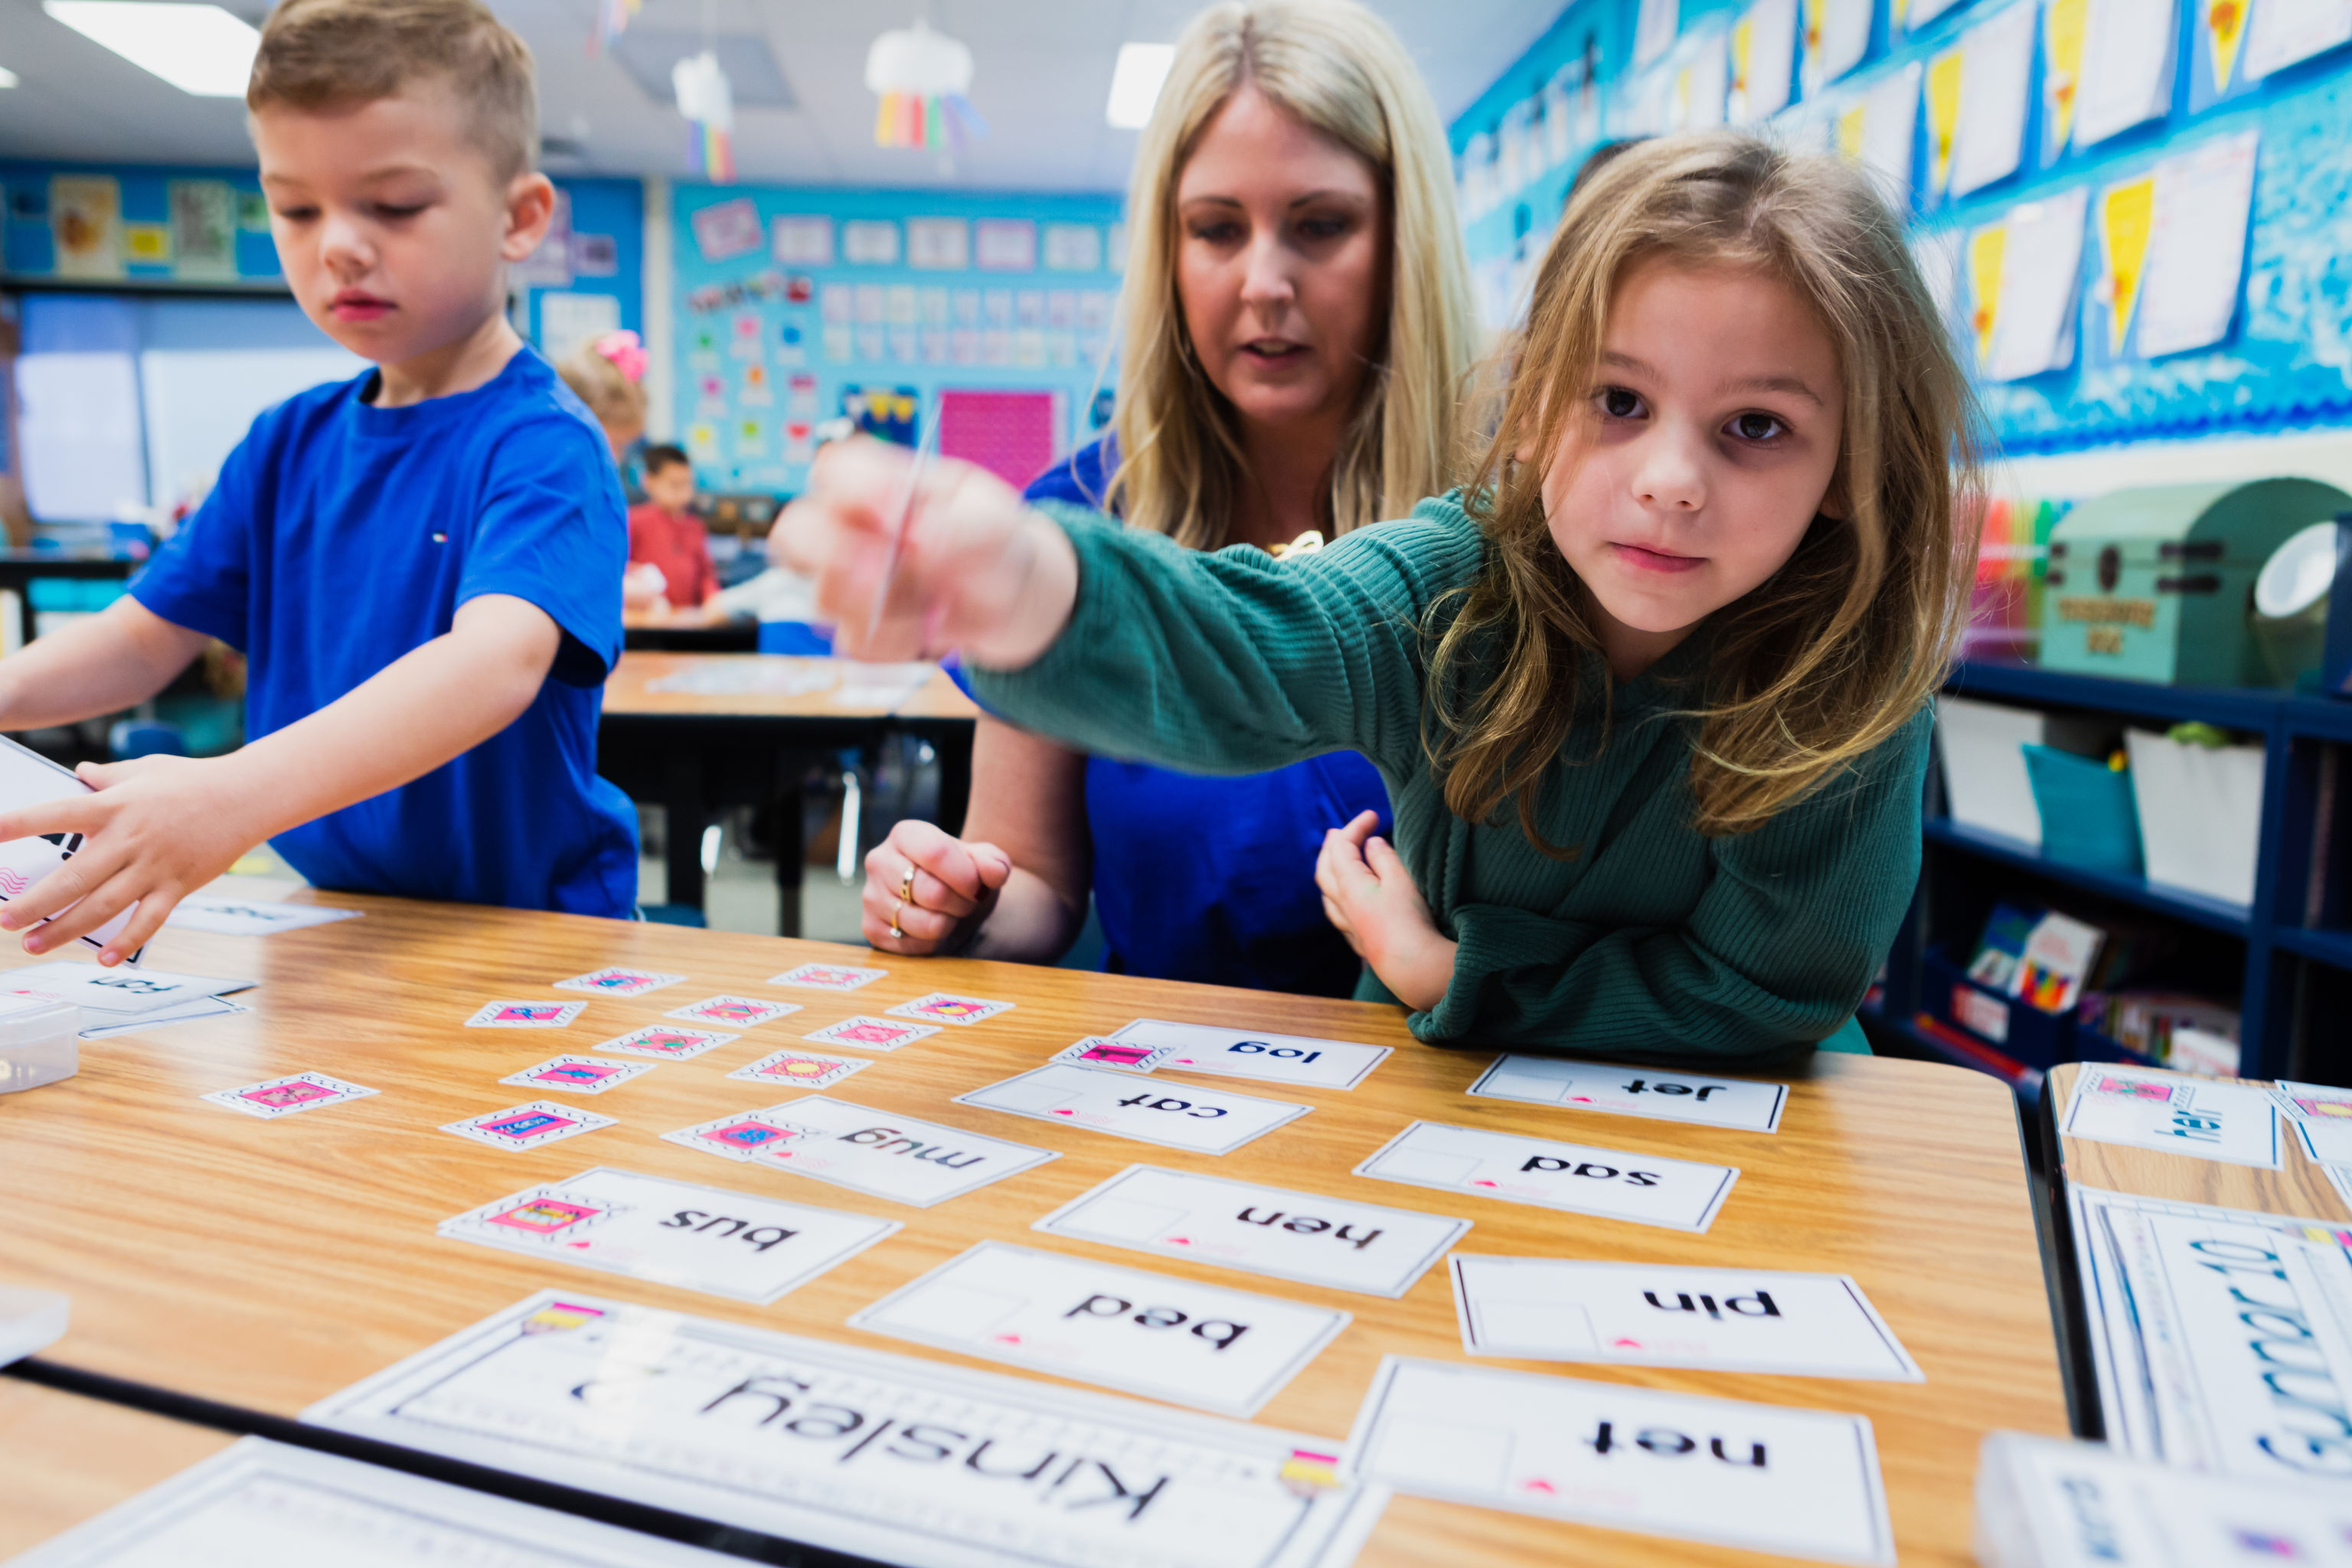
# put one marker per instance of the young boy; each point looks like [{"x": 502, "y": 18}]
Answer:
[
  {"x": 424, "y": 564},
  {"x": 664, "y": 532}
]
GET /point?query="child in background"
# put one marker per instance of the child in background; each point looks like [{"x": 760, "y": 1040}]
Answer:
[
  {"x": 664, "y": 534},
  {"x": 608, "y": 375},
  {"x": 423, "y": 564},
  {"x": 1651, "y": 695}
]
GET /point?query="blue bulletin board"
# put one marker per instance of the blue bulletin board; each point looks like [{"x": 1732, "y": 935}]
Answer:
[{"x": 795, "y": 306}]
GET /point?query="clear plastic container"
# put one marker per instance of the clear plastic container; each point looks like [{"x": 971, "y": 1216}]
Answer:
[{"x": 40, "y": 1041}]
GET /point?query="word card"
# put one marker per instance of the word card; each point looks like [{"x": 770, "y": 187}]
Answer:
[
  {"x": 578, "y": 1075},
  {"x": 1766, "y": 1478},
  {"x": 619, "y": 982},
  {"x": 527, "y": 1126},
  {"x": 276, "y": 1097},
  {"x": 526, "y": 1015},
  {"x": 119, "y": 991},
  {"x": 666, "y": 1042},
  {"x": 1730, "y": 1319},
  {"x": 240, "y": 917},
  {"x": 2235, "y": 1124},
  {"x": 1094, "y": 1051},
  {"x": 1205, "y": 1120},
  {"x": 893, "y": 1458},
  {"x": 940, "y": 1007},
  {"x": 737, "y": 1137},
  {"x": 800, "y": 1069},
  {"x": 109, "y": 1024},
  {"x": 675, "y": 1233},
  {"x": 1647, "y": 1189},
  {"x": 1298, "y": 1060},
  {"x": 1305, "y": 1236},
  {"x": 886, "y": 1155},
  {"x": 2322, "y": 1118},
  {"x": 1226, "y": 1350},
  {"x": 871, "y": 1034},
  {"x": 1635, "y": 1092},
  {"x": 827, "y": 977},
  {"x": 735, "y": 1012}
]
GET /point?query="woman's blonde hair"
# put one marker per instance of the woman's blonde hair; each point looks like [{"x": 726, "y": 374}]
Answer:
[
  {"x": 1337, "y": 69},
  {"x": 1842, "y": 646}
]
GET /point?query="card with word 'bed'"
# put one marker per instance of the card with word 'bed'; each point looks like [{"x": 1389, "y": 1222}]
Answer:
[
  {"x": 2235, "y": 1124},
  {"x": 1635, "y": 1092},
  {"x": 1300, "y": 1061},
  {"x": 666, "y": 1042},
  {"x": 527, "y": 1126},
  {"x": 526, "y": 1016},
  {"x": 577, "y": 1075},
  {"x": 1310, "y": 1237},
  {"x": 1767, "y": 1477},
  {"x": 618, "y": 982},
  {"x": 1182, "y": 1116},
  {"x": 738, "y": 1136},
  {"x": 800, "y": 1069},
  {"x": 276, "y": 1097},
  {"x": 867, "y": 1034},
  {"x": 940, "y": 1007},
  {"x": 827, "y": 977},
  {"x": 1178, "y": 1340},
  {"x": 851, "y": 1449},
  {"x": 1095, "y": 1051},
  {"x": 1642, "y": 1314},
  {"x": 676, "y": 1233},
  {"x": 888, "y": 1155},
  {"x": 733, "y": 1012},
  {"x": 1613, "y": 1184}
]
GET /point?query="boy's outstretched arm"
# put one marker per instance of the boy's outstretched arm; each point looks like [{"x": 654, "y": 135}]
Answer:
[
  {"x": 161, "y": 827},
  {"x": 97, "y": 664}
]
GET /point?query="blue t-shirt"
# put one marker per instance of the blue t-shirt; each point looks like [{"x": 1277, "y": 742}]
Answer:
[
  {"x": 341, "y": 537},
  {"x": 1237, "y": 905}
]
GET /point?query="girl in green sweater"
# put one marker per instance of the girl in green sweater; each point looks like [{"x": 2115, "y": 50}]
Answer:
[{"x": 1650, "y": 693}]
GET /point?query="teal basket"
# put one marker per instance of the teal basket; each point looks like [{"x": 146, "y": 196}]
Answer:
[{"x": 2088, "y": 816}]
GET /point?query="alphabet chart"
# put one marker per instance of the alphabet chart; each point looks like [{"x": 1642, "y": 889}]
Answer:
[
  {"x": 1297, "y": 1059},
  {"x": 2234, "y": 1123},
  {"x": 1768, "y": 1478},
  {"x": 1226, "y": 1350},
  {"x": 1204, "y": 1120},
  {"x": 1635, "y": 1092},
  {"x": 678, "y": 1233},
  {"x": 889, "y": 1155},
  {"x": 859, "y": 1451},
  {"x": 1647, "y": 1189}
]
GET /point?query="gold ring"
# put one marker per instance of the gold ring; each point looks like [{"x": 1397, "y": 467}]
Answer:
[
  {"x": 894, "y": 920},
  {"x": 906, "y": 885}
]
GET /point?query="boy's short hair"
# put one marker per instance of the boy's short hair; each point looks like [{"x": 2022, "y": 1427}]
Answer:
[
  {"x": 663, "y": 456},
  {"x": 327, "y": 54}
]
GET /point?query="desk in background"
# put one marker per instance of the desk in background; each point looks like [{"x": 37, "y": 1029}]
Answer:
[{"x": 20, "y": 568}]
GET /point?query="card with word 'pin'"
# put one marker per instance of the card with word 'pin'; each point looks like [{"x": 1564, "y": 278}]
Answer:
[
  {"x": 733, "y": 1012},
  {"x": 666, "y": 1042},
  {"x": 866, "y": 1034},
  {"x": 940, "y": 1007},
  {"x": 526, "y": 1016},
  {"x": 577, "y": 1075},
  {"x": 618, "y": 982},
  {"x": 800, "y": 1069},
  {"x": 527, "y": 1126},
  {"x": 276, "y": 1097},
  {"x": 827, "y": 977}
]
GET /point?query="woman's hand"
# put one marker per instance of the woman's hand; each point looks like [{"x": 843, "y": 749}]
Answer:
[
  {"x": 1369, "y": 895},
  {"x": 974, "y": 570},
  {"x": 927, "y": 892}
]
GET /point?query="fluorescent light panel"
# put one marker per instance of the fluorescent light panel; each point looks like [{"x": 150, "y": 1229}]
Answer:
[
  {"x": 8, "y": 78},
  {"x": 200, "y": 50},
  {"x": 1135, "y": 83}
]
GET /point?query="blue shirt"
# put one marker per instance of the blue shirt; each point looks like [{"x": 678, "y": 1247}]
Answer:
[
  {"x": 341, "y": 536},
  {"x": 1236, "y": 904}
]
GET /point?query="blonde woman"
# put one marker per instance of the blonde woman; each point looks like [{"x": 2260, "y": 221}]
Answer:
[{"x": 1297, "y": 322}]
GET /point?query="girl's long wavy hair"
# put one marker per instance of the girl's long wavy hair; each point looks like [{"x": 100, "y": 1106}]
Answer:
[
  {"x": 1846, "y": 642},
  {"x": 1337, "y": 69}
]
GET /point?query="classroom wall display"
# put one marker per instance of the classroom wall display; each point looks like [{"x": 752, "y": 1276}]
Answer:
[
  {"x": 799, "y": 305},
  {"x": 2137, "y": 212}
]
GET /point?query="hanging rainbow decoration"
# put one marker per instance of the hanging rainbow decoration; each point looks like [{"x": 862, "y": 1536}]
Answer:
[
  {"x": 707, "y": 102},
  {"x": 613, "y": 18},
  {"x": 920, "y": 80},
  {"x": 946, "y": 123}
]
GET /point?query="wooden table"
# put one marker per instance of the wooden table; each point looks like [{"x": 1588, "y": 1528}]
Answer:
[
  {"x": 68, "y": 1460},
  {"x": 266, "y": 1264},
  {"x": 692, "y": 752}
]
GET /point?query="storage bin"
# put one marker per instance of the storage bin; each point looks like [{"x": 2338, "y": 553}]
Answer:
[
  {"x": 1981, "y": 746},
  {"x": 2025, "y": 1034},
  {"x": 2088, "y": 815},
  {"x": 2201, "y": 815}
]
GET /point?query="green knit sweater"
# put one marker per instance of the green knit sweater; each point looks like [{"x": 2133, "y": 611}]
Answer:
[{"x": 1651, "y": 943}]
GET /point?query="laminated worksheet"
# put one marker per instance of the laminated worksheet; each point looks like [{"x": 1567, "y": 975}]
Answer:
[
  {"x": 2197, "y": 251},
  {"x": 1613, "y": 1184},
  {"x": 2234, "y": 1123},
  {"x": 886, "y": 1155},
  {"x": 1103, "y": 1100},
  {"x": 1300, "y": 1061},
  {"x": 2042, "y": 253},
  {"x": 1312, "y": 1237},
  {"x": 2128, "y": 55},
  {"x": 1996, "y": 73},
  {"x": 889, "y": 1457},
  {"x": 1767, "y": 1477},
  {"x": 1667, "y": 1095}
]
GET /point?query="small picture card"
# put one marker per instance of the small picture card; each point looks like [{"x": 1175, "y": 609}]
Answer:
[
  {"x": 2326, "y": 1141},
  {"x": 276, "y": 1097},
  {"x": 871, "y": 1034},
  {"x": 1614, "y": 1184},
  {"x": 667, "y": 1042},
  {"x": 2234, "y": 1123},
  {"x": 888, "y": 1155},
  {"x": 940, "y": 1007},
  {"x": 526, "y": 1016},
  {"x": 739, "y": 1137},
  {"x": 619, "y": 982},
  {"x": 1177, "y": 1116},
  {"x": 734, "y": 1012},
  {"x": 527, "y": 1126},
  {"x": 1299, "y": 1061},
  {"x": 827, "y": 977},
  {"x": 1095, "y": 1051},
  {"x": 577, "y": 1075},
  {"x": 1635, "y": 1092},
  {"x": 800, "y": 1069},
  {"x": 2315, "y": 1101}
]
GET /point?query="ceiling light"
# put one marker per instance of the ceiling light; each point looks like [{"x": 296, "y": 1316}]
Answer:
[
  {"x": 1135, "y": 83},
  {"x": 8, "y": 78},
  {"x": 200, "y": 50}
]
